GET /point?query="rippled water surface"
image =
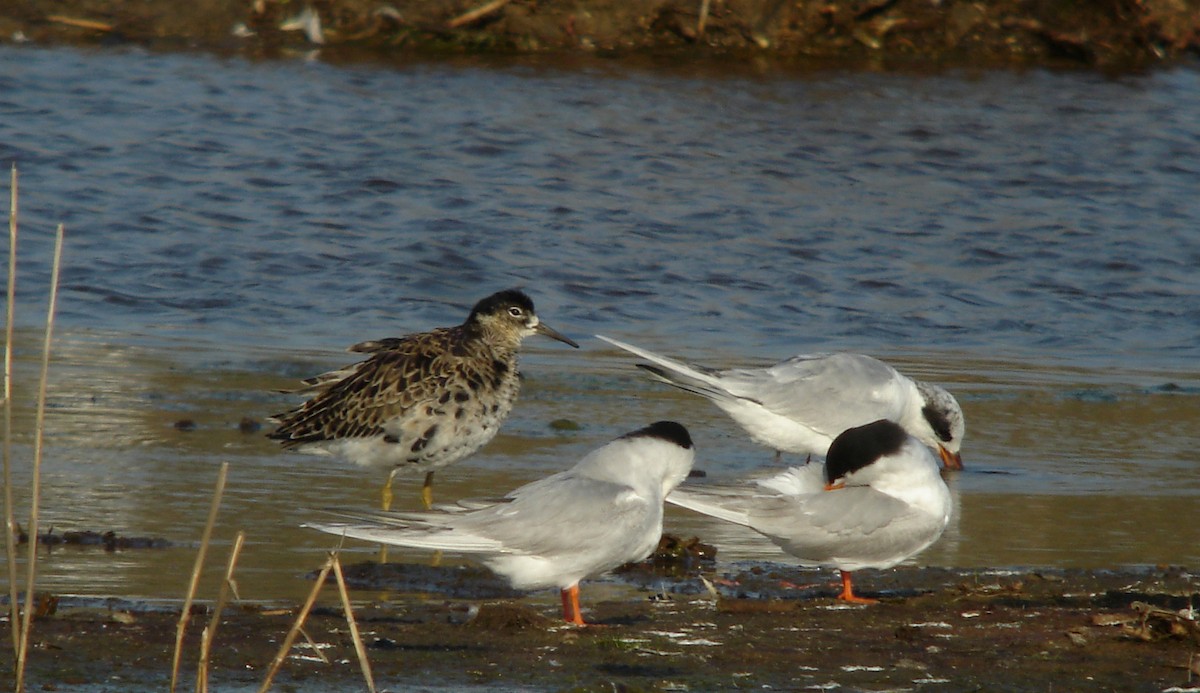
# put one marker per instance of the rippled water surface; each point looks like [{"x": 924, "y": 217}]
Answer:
[{"x": 1029, "y": 240}]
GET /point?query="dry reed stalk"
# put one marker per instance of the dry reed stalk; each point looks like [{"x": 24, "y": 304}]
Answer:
[
  {"x": 359, "y": 648},
  {"x": 476, "y": 14},
  {"x": 227, "y": 586},
  {"x": 202, "y": 666},
  {"x": 200, "y": 555},
  {"x": 35, "y": 480},
  {"x": 316, "y": 650},
  {"x": 80, "y": 23},
  {"x": 10, "y": 548},
  {"x": 300, "y": 618}
]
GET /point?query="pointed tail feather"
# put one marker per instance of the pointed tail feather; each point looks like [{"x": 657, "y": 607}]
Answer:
[
  {"x": 417, "y": 538},
  {"x": 676, "y": 373},
  {"x": 720, "y": 506}
]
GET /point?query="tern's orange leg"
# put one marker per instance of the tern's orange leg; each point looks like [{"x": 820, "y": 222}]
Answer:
[
  {"x": 848, "y": 595},
  {"x": 570, "y": 603}
]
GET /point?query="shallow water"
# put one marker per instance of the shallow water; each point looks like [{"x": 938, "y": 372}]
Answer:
[{"x": 1028, "y": 240}]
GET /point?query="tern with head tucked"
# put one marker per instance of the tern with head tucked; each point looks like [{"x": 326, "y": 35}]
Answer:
[
  {"x": 605, "y": 511},
  {"x": 799, "y": 405},
  {"x": 878, "y": 499}
]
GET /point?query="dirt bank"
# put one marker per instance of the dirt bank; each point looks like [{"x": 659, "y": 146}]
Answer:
[
  {"x": 1112, "y": 34},
  {"x": 934, "y": 629}
]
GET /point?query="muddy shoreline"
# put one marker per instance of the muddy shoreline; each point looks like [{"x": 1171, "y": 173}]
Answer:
[
  {"x": 875, "y": 34},
  {"x": 935, "y": 629}
]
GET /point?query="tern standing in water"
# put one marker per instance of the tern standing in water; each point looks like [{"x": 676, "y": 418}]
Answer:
[
  {"x": 605, "y": 511},
  {"x": 801, "y": 404},
  {"x": 878, "y": 499}
]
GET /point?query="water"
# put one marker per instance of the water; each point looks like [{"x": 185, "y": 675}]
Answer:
[{"x": 1030, "y": 240}]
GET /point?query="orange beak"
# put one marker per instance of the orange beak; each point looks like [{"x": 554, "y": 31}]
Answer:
[{"x": 951, "y": 460}]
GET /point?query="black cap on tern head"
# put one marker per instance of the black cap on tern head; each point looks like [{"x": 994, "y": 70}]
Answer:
[
  {"x": 939, "y": 422},
  {"x": 858, "y": 447},
  {"x": 665, "y": 430}
]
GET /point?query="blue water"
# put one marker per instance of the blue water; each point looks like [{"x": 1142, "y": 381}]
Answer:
[
  {"x": 296, "y": 203},
  {"x": 1029, "y": 239}
]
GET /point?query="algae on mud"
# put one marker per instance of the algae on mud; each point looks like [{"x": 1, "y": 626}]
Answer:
[{"x": 955, "y": 630}]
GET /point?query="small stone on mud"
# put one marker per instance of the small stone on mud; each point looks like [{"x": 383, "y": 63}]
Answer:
[
  {"x": 509, "y": 617},
  {"x": 674, "y": 557}
]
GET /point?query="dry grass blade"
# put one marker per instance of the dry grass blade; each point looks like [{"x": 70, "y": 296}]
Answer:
[
  {"x": 222, "y": 596},
  {"x": 476, "y": 14},
  {"x": 286, "y": 646},
  {"x": 200, "y": 555},
  {"x": 35, "y": 479},
  {"x": 9, "y": 524},
  {"x": 80, "y": 23},
  {"x": 359, "y": 648}
]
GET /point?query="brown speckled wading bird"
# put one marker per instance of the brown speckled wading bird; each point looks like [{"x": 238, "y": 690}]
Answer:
[{"x": 420, "y": 402}]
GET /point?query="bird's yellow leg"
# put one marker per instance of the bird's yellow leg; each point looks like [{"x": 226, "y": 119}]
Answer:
[
  {"x": 387, "y": 491},
  {"x": 427, "y": 501},
  {"x": 427, "y": 491},
  {"x": 387, "y": 505}
]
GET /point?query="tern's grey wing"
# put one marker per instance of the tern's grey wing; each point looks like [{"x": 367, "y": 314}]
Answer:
[
  {"x": 739, "y": 503},
  {"x": 561, "y": 515},
  {"x": 851, "y": 527},
  {"x": 827, "y": 392},
  {"x": 564, "y": 513},
  {"x": 429, "y": 530}
]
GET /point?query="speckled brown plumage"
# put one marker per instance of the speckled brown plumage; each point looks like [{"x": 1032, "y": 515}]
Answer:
[{"x": 423, "y": 401}]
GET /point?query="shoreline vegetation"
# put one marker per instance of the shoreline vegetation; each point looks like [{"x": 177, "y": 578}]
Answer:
[{"x": 1110, "y": 35}]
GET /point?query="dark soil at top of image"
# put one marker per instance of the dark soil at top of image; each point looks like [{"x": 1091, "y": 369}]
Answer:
[{"x": 1110, "y": 34}]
